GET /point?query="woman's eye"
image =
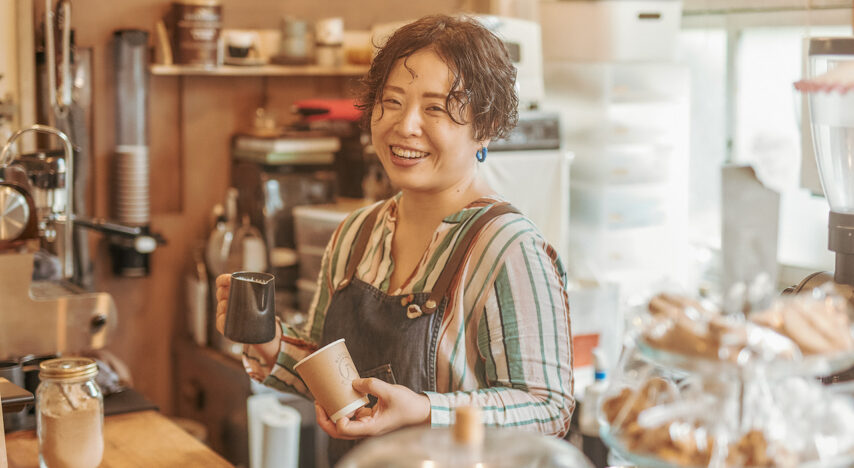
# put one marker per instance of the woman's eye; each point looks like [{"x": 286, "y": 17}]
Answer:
[
  {"x": 436, "y": 109},
  {"x": 391, "y": 102}
]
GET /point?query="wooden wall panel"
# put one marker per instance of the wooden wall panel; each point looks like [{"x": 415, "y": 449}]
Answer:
[
  {"x": 190, "y": 123},
  {"x": 165, "y": 139}
]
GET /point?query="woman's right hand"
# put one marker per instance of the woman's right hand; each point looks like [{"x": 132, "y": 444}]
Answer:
[{"x": 223, "y": 286}]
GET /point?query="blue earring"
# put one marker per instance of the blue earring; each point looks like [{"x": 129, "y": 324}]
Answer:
[{"x": 481, "y": 154}]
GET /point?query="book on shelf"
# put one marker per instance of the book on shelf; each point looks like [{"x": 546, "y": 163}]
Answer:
[{"x": 287, "y": 143}]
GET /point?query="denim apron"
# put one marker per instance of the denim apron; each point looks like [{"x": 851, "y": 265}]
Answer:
[{"x": 393, "y": 338}]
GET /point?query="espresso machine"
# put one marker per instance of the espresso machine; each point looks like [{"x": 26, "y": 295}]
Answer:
[
  {"x": 43, "y": 311},
  {"x": 830, "y": 93},
  {"x": 48, "y": 314}
]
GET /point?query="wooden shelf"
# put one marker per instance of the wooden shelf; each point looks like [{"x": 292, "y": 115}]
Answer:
[{"x": 260, "y": 70}]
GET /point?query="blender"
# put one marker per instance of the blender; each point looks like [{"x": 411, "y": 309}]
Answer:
[
  {"x": 830, "y": 92},
  {"x": 831, "y": 105}
]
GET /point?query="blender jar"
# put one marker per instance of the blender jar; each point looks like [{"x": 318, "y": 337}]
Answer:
[{"x": 832, "y": 114}]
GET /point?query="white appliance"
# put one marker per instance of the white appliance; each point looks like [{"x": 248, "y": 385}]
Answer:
[
  {"x": 537, "y": 183},
  {"x": 523, "y": 40},
  {"x": 610, "y": 30}
]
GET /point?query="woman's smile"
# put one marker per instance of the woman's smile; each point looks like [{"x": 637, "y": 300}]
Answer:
[{"x": 406, "y": 157}]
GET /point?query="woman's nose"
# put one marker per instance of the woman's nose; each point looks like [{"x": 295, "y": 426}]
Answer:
[{"x": 409, "y": 123}]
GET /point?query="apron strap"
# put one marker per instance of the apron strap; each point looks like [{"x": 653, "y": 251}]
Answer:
[
  {"x": 359, "y": 246},
  {"x": 451, "y": 270}
]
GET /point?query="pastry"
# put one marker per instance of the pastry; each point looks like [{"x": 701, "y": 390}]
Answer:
[{"x": 816, "y": 326}]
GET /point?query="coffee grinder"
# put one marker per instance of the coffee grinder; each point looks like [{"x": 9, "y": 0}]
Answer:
[
  {"x": 831, "y": 111},
  {"x": 830, "y": 92}
]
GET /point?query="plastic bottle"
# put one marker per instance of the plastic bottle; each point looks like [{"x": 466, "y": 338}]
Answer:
[{"x": 587, "y": 419}]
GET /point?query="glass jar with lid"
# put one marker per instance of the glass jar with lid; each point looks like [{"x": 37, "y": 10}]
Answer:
[{"x": 70, "y": 414}]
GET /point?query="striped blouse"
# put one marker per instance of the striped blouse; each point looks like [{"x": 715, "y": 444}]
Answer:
[{"x": 505, "y": 343}]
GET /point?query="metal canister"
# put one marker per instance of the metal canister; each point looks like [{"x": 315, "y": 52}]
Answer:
[{"x": 197, "y": 26}]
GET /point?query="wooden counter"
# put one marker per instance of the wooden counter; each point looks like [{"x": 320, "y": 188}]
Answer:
[{"x": 143, "y": 439}]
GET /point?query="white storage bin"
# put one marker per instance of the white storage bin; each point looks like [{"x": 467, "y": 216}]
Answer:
[
  {"x": 618, "y": 82},
  {"x": 655, "y": 121},
  {"x": 614, "y": 207},
  {"x": 647, "y": 82},
  {"x": 601, "y": 253},
  {"x": 610, "y": 30},
  {"x": 315, "y": 224},
  {"x": 622, "y": 164},
  {"x": 621, "y": 132}
]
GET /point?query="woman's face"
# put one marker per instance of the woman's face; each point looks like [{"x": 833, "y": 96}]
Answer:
[{"x": 419, "y": 145}]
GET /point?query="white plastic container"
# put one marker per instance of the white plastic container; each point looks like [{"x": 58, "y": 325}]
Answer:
[
  {"x": 614, "y": 207},
  {"x": 610, "y": 30},
  {"x": 606, "y": 251},
  {"x": 623, "y": 164},
  {"x": 314, "y": 225}
]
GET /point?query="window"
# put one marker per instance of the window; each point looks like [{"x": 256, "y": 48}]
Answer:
[{"x": 744, "y": 110}]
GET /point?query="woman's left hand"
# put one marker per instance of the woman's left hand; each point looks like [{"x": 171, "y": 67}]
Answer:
[{"x": 397, "y": 406}]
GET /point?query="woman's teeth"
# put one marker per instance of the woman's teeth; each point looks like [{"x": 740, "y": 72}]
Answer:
[{"x": 407, "y": 153}]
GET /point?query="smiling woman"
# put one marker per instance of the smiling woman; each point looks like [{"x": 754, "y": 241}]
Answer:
[{"x": 446, "y": 295}]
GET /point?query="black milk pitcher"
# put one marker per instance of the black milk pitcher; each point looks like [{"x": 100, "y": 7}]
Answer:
[{"x": 251, "y": 312}]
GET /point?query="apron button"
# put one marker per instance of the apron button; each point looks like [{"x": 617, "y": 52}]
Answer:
[
  {"x": 429, "y": 306},
  {"x": 344, "y": 284},
  {"x": 413, "y": 311}
]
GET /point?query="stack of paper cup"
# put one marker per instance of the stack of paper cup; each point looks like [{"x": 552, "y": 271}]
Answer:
[{"x": 130, "y": 185}]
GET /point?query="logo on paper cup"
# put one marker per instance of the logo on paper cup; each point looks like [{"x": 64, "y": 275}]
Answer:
[{"x": 345, "y": 368}]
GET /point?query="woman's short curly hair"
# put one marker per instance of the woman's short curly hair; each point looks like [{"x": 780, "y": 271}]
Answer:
[{"x": 484, "y": 76}]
